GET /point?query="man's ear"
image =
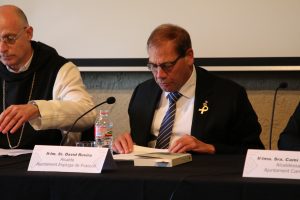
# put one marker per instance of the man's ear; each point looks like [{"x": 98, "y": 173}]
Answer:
[
  {"x": 29, "y": 33},
  {"x": 189, "y": 56}
]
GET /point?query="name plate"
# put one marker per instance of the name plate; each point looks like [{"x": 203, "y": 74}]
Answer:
[
  {"x": 68, "y": 159},
  {"x": 272, "y": 164}
]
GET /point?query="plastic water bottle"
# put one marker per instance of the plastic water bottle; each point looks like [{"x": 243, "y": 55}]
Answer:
[{"x": 103, "y": 130}]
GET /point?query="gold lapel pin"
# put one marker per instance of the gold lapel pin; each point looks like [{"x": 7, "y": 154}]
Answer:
[{"x": 204, "y": 107}]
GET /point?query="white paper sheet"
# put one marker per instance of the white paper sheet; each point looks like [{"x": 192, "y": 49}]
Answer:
[{"x": 14, "y": 152}]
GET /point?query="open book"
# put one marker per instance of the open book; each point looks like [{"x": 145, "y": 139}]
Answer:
[
  {"x": 137, "y": 150},
  {"x": 162, "y": 159}
]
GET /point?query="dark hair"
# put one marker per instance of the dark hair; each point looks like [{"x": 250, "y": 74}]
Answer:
[{"x": 170, "y": 32}]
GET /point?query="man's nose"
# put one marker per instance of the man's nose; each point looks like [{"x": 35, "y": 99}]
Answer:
[{"x": 160, "y": 73}]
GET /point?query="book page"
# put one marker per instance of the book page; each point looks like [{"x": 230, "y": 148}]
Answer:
[{"x": 137, "y": 150}]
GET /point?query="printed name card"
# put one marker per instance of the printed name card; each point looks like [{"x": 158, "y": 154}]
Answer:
[
  {"x": 272, "y": 164},
  {"x": 68, "y": 159}
]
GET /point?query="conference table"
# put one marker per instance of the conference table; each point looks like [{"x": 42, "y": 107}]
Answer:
[{"x": 206, "y": 177}]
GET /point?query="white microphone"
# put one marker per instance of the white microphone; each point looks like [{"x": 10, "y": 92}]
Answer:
[
  {"x": 282, "y": 85},
  {"x": 109, "y": 100}
]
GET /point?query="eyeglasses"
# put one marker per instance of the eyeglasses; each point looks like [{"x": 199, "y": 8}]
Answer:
[
  {"x": 166, "y": 67},
  {"x": 12, "y": 38}
]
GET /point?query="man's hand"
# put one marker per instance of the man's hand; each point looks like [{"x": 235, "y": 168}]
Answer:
[
  {"x": 15, "y": 116},
  {"x": 123, "y": 143},
  {"x": 190, "y": 143}
]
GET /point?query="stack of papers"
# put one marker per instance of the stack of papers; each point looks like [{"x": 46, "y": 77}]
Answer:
[
  {"x": 162, "y": 159},
  {"x": 145, "y": 156}
]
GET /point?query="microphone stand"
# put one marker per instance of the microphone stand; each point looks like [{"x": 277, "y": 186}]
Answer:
[
  {"x": 109, "y": 100},
  {"x": 282, "y": 85}
]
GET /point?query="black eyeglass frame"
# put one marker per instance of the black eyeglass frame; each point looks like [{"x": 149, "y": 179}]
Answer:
[
  {"x": 166, "y": 66},
  {"x": 12, "y": 38}
]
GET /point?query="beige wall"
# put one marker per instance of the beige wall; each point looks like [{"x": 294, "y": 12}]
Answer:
[{"x": 262, "y": 102}]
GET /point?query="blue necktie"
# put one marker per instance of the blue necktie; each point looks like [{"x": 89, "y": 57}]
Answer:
[{"x": 166, "y": 127}]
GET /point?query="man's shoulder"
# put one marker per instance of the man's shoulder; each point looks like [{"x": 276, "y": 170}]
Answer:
[
  {"x": 147, "y": 90},
  {"x": 148, "y": 84},
  {"x": 39, "y": 46},
  {"x": 46, "y": 55},
  {"x": 45, "y": 50},
  {"x": 216, "y": 80}
]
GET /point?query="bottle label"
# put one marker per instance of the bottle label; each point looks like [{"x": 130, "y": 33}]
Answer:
[
  {"x": 108, "y": 134},
  {"x": 100, "y": 132}
]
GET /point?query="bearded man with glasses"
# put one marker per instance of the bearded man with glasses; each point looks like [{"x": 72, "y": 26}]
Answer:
[
  {"x": 41, "y": 93},
  {"x": 185, "y": 108}
]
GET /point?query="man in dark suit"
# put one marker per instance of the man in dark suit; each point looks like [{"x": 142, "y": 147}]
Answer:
[
  {"x": 290, "y": 137},
  {"x": 211, "y": 115}
]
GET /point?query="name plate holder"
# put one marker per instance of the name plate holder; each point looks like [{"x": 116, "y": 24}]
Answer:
[
  {"x": 70, "y": 159},
  {"x": 272, "y": 164}
]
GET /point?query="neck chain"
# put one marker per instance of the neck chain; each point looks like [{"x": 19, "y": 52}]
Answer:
[{"x": 22, "y": 130}]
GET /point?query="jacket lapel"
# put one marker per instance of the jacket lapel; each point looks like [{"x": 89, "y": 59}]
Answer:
[
  {"x": 202, "y": 104},
  {"x": 152, "y": 98}
]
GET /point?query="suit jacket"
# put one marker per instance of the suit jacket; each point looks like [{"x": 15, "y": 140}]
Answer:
[
  {"x": 290, "y": 138},
  {"x": 230, "y": 124}
]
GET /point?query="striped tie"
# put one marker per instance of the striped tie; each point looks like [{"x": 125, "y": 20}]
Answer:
[{"x": 166, "y": 127}]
